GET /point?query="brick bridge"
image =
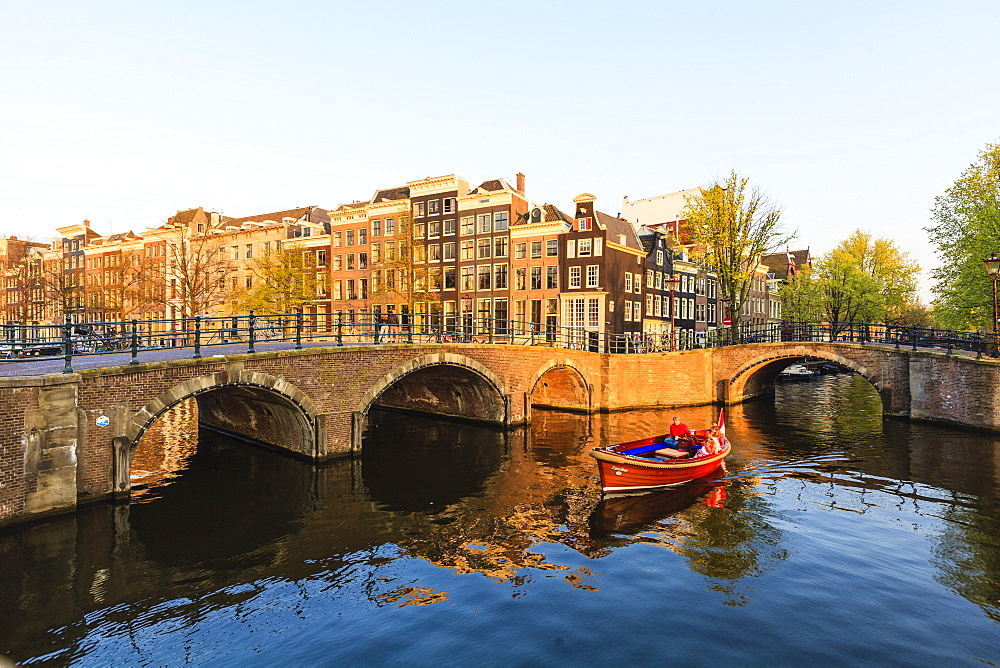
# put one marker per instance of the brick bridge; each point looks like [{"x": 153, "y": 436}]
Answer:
[{"x": 70, "y": 438}]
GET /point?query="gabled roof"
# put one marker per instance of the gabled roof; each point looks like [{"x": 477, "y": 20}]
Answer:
[
  {"x": 493, "y": 185},
  {"x": 277, "y": 216},
  {"x": 390, "y": 194},
  {"x": 784, "y": 263},
  {"x": 617, "y": 227}
]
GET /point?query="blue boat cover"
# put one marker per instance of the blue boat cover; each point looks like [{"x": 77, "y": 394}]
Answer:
[{"x": 642, "y": 449}]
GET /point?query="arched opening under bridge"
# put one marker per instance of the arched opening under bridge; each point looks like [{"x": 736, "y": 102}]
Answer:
[
  {"x": 760, "y": 377},
  {"x": 445, "y": 390},
  {"x": 561, "y": 387}
]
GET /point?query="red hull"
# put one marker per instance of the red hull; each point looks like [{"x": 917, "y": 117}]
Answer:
[{"x": 620, "y": 472}]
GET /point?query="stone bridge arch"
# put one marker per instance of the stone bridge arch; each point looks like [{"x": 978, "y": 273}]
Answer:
[
  {"x": 475, "y": 393},
  {"x": 565, "y": 386},
  {"x": 755, "y": 376},
  {"x": 249, "y": 404}
]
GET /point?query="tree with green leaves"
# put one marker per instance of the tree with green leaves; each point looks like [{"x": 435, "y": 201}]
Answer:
[
  {"x": 734, "y": 224},
  {"x": 863, "y": 279},
  {"x": 283, "y": 281},
  {"x": 801, "y": 298},
  {"x": 966, "y": 229}
]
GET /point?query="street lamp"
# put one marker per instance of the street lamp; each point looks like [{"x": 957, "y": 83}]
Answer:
[{"x": 993, "y": 269}]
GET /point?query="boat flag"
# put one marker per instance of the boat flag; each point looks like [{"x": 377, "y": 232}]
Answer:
[{"x": 722, "y": 421}]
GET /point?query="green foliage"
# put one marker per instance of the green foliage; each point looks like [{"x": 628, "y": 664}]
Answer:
[
  {"x": 801, "y": 298},
  {"x": 735, "y": 224},
  {"x": 283, "y": 281},
  {"x": 966, "y": 230},
  {"x": 863, "y": 279}
]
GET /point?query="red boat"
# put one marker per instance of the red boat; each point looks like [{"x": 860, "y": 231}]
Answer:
[{"x": 633, "y": 466}]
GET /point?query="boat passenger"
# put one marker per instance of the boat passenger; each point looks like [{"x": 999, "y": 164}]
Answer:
[
  {"x": 678, "y": 429},
  {"x": 710, "y": 445}
]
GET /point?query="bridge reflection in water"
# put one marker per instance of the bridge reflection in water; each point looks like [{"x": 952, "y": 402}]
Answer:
[{"x": 827, "y": 512}]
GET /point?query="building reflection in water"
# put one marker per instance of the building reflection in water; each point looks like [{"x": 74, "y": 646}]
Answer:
[
  {"x": 165, "y": 449},
  {"x": 220, "y": 521}
]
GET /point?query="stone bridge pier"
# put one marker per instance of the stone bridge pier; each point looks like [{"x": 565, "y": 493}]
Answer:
[{"x": 65, "y": 439}]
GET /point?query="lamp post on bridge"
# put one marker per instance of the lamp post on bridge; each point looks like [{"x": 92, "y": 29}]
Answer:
[{"x": 993, "y": 269}]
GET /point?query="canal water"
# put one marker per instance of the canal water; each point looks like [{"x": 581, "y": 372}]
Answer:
[{"x": 833, "y": 537}]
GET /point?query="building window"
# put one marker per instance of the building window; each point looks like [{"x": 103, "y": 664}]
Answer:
[
  {"x": 536, "y": 250},
  {"x": 583, "y": 247},
  {"x": 449, "y": 250},
  {"x": 350, "y": 261},
  {"x": 599, "y": 247},
  {"x": 350, "y": 237},
  {"x": 390, "y": 226},
  {"x": 434, "y": 253},
  {"x": 468, "y": 249},
  {"x": 434, "y": 229},
  {"x": 499, "y": 246},
  {"x": 628, "y": 281},
  {"x": 536, "y": 278},
  {"x": 575, "y": 277},
  {"x": 552, "y": 248},
  {"x": 583, "y": 224},
  {"x": 501, "y": 221},
  {"x": 628, "y": 311},
  {"x": 520, "y": 250},
  {"x": 321, "y": 258},
  {"x": 249, "y": 251},
  {"x": 338, "y": 262},
  {"x": 520, "y": 275},
  {"x": 362, "y": 236},
  {"x": 659, "y": 258},
  {"x": 419, "y": 209},
  {"x": 593, "y": 275},
  {"x": 376, "y": 253},
  {"x": 485, "y": 247},
  {"x": 500, "y": 277},
  {"x": 362, "y": 260},
  {"x": 552, "y": 277},
  {"x": 433, "y": 207},
  {"x": 485, "y": 223},
  {"x": 483, "y": 272},
  {"x": 468, "y": 278},
  {"x": 468, "y": 225},
  {"x": 376, "y": 228},
  {"x": 450, "y": 206},
  {"x": 570, "y": 248},
  {"x": 449, "y": 226},
  {"x": 449, "y": 278}
]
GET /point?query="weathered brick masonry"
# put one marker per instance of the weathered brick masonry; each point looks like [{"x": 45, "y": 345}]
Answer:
[{"x": 54, "y": 451}]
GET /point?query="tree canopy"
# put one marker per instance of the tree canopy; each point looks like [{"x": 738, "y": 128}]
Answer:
[
  {"x": 735, "y": 224},
  {"x": 863, "y": 279},
  {"x": 282, "y": 281},
  {"x": 966, "y": 229}
]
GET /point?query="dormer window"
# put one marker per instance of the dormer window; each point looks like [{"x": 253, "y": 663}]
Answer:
[{"x": 584, "y": 224}]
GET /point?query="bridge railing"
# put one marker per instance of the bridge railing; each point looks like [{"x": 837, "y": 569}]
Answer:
[{"x": 253, "y": 332}]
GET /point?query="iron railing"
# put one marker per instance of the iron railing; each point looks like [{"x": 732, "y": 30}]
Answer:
[{"x": 253, "y": 331}]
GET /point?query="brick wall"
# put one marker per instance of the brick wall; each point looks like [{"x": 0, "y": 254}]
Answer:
[{"x": 321, "y": 395}]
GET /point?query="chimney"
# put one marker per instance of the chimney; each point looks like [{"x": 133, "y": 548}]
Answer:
[{"x": 520, "y": 184}]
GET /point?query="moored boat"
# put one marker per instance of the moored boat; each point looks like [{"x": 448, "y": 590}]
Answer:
[
  {"x": 633, "y": 466},
  {"x": 798, "y": 372}
]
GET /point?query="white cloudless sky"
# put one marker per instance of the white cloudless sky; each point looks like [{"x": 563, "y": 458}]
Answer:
[{"x": 850, "y": 115}]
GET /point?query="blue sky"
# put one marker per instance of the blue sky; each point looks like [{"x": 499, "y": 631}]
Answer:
[{"x": 850, "y": 114}]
